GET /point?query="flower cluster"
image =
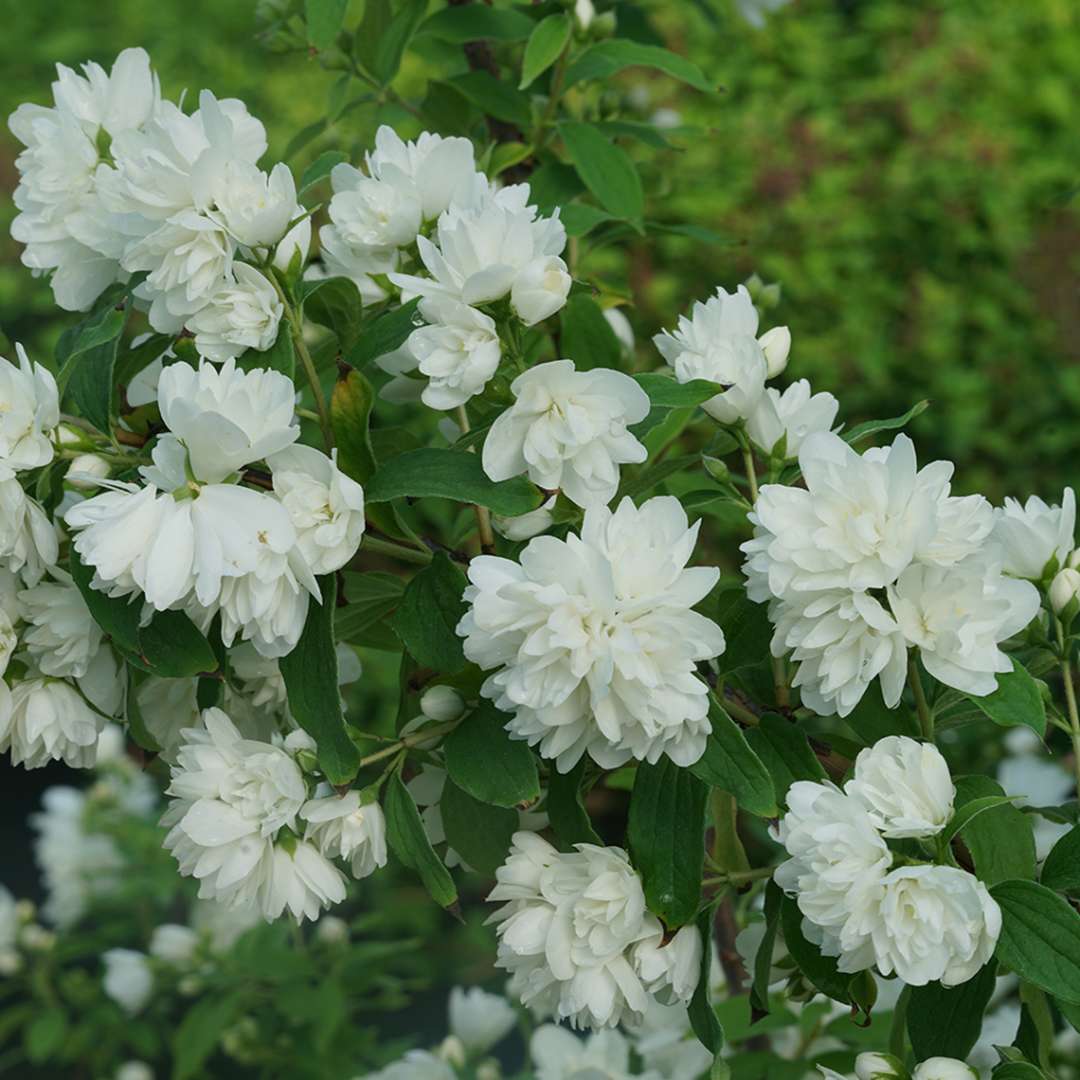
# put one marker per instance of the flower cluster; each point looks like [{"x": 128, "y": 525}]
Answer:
[
  {"x": 872, "y": 557},
  {"x": 595, "y": 638},
  {"x": 922, "y": 922},
  {"x": 243, "y": 821},
  {"x": 580, "y": 943}
]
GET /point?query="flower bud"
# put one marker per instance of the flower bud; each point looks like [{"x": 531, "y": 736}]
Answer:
[
  {"x": 441, "y": 703},
  {"x": 776, "y": 344},
  {"x": 943, "y": 1068},
  {"x": 134, "y": 1070},
  {"x": 879, "y": 1067},
  {"x": 488, "y": 1070},
  {"x": 540, "y": 289},
  {"x": 526, "y": 526},
  {"x": 36, "y": 938},
  {"x": 10, "y": 962},
  {"x": 331, "y": 930},
  {"x": 1074, "y": 560},
  {"x": 85, "y": 470},
  {"x": 452, "y": 1051},
  {"x": 1064, "y": 588}
]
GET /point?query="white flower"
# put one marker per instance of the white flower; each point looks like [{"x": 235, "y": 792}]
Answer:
[
  {"x": 255, "y": 208},
  {"x": 879, "y": 1067},
  {"x": 935, "y": 923},
  {"x": 458, "y": 352},
  {"x": 595, "y": 639},
  {"x": 230, "y": 797},
  {"x": 326, "y": 507},
  {"x": 134, "y": 1070},
  {"x": 479, "y": 251},
  {"x": 128, "y": 979},
  {"x": 526, "y": 526},
  {"x": 331, "y": 930},
  {"x": 667, "y": 1045},
  {"x": 558, "y": 1054},
  {"x": 719, "y": 343},
  {"x": 571, "y": 930},
  {"x": 29, "y": 411},
  {"x": 344, "y": 827},
  {"x": 540, "y": 289},
  {"x": 1064, "y": 588},
  {"x": 568, "y": 429},
  {"x": 227, "y": 418},
  {"x": 943, "y": 1068},
  {"x": 28, "y": 540},
  {"x": 302, "y": 881},
  {"x": 9, "y": 933},
  {"x": 375, "y": 216},
  {"x": 62, "y": 636},
  {"x": 43, "y": 720},
  {"x": 442, "y": 171},
  {"x": 836, "y": 871},
  {"x": 173, "y": 943},
  {"x": 675, "y": 964},
  {"x": 620, "y": 326},
  {"x": 795, "y": 413},
  {"x": 1033, "y": 533},
  {"x": 479, "y": 1019},
  {"x": 415, "y": 1065},
  {"x": 10, "y": 615},
  {"x": 244, "y": 313},
  {"x": 905, "y": 787},
  {"x": 958, "y": 616}
]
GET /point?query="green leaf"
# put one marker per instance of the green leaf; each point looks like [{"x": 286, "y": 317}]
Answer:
[
  {"x": 666, "y": 392},
  {"x": 821, "y": 971},
  {"x": 320, "y": 169},
  {"x": 587, "y": 337},
  {"x": 45, "y": 1033},
  {"x": 384, "y": 333},
  {"x": 477, "y": 22},
  {"x": 1000, "y": 840},
  {"x": 607, "y": 58},
  {"x": 405, "y": 833},
  {"x": 968, "y": 812},
  {"x": 372, "y": 597},
  {"x": 648, "y": 134},
  {"x": 1061, "y": 871},
  {"x": 729, "y": 764},
  {"x": 335, "y": 303},
  {"x": 1040, "y": 937},
  {"x": 479, "y": 832},
  {"x": 281, "y": 356},
  {"x": 1017, "y": 1070},
  {"x": 946, "y": 1021},
  {"x": 104, "y": 324},
  {"x": 450, "y": 474},
  {"x": 566, "y": 807},
  {"x": 430, "y": 610},
  {"x": 303, "y": 137},
  {"x": 702, "y": 1015},
  {"x": 494, "y": 97},
  {"x": 605, "y": 170},
  {"x": 785, "y": 751},
  {"x": 91, "y": 383},
  {"x": 351, "y": 402},
  {"x": 580, "y": 219},
  {"x": 310, "y": 672},
  {"x": 763, "y": 958},
  {"x": 747, "y": 630},
  {"x": 872, "y": 427},
  {"x": 544, "y": 47},
  {"x": 872, "y": 719},
  {"x": 482, "y": 759},
  {"x": 666, "y": 833},
  {"x": 384, "y": 35},
  {"x": 197, "y": 1035},
  {"x": 174, "y": 648},
  {"x": 324, "y": 19},
  {"x": 1016, "y": 701}
]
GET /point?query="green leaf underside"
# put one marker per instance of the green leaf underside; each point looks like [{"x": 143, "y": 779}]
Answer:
[
  {"x": 406, "y": 836},
  {"x": 483, "y": 760}
]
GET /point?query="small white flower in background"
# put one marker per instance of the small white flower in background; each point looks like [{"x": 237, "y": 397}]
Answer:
[
  {"x": 567, "y": 430},
  {"x": 526, "y": 526},
  {"x": 905, "y": 787},
  {"x": 61, "y": 635},
  {"x": 943, "y": 1068},
  {"x": 540, "y": 289},
  {"x": 458, "y": 351},
  {"x": 836, "y": 871},
  {"x": 1034, "y": 778},
  {"x": 244, "y": 313},
  {"x": 595, "y": 638},
  {"x": 1033, "y": 533},
  {"x": 128, "y": 979},
  {"x": 173, "y": 943},
  {"x": 29, "y": 412},
  {"x": 415, "y": 1065},
  {"x": 1064, "y": 589},
  {"x": 134, "y": 1070},
  {"x": 479, "y": 1019},
  {"x": 28, "y": 540},
  {"x": 331, "y": 930},
  {"x": 719, "y": 343},
  {"x": 936, "y": 923},
  {"x": 620, "y": 326},
  {"x": 575, "y": 934},
  {"x": 558, "y": 1054},
  {"x": 345, "y": 827},
  {"x": 957, "y": 616},
  {"x": 167, "y": 707},
  {"x": 10, "y": 921},
  {"x": 227, "y": 418},
  {"x": 43, "y": 720},
  {"x": 441, "y": 704},
  {"x": 667, "y": 1045},
  {"x": 795, "y": 413},
  {"x": 326, "y": 507},
  {"x": 879, "y": 1067}
]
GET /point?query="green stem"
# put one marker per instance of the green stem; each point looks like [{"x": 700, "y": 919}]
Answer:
[
  {"x": 751, "y": 471},
  {"x": 926, "y": 715},
  {"x": 558, "y": 79},
  {"x": 414, "y": 739},
  {"x": 483, "y": 515},
  {"x": 396, "y": 551},
  {"x": 741, "y": 877},
  {"x": 739, "y": 712},
  {"x": 898, "y": 1032},
  {"x": 1070, "y": 699}
]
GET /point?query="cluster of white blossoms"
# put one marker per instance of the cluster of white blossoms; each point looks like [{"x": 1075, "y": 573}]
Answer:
[
  {"x": 923, "y": 922},
  {"x": 578, "y": 940},
  {"x": 595, "y": 638},
  {"x": 874, "y": 556},
  {"x": 115, "y": 181},
  {"x": 245, "y": 823}
]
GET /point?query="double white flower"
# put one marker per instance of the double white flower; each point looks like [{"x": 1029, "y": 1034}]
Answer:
[
  {"x": 925, "y": 923},
  {"x": 29, "y": 412},
  {"x": 578, "y": 939},
  {"x": 595, "y": 639}
]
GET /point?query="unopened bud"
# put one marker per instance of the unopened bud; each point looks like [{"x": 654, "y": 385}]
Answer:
[
  {"x": 943, "y": 1068},
  {"x": 716, "y": 468},
  {"x": 1064, "y": 589},
  {"x": 441, "y": 703},
  {"x": 488, "y": 1070},
  {"x": 879, "y": 1067},
  {"x": 86, "y": 470},
  {"x": 452, "y": 1051},
  {"x": 331, "y": 930}
]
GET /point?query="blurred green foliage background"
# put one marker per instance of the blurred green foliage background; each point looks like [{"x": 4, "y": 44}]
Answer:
[{"x": 905, "y": 170}]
